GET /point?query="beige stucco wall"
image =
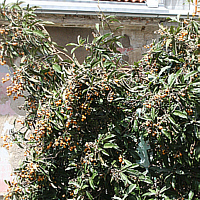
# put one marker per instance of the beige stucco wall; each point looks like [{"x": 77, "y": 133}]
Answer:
[{"x": 138, "y": 32}]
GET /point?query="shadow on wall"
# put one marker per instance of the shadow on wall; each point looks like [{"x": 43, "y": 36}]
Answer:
[
  {"x": 126, "y": 47},
  {"x": 65, "y": 35}
]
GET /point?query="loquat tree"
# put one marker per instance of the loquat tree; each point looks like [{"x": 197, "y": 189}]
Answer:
[{"x": 94, "y": 131}]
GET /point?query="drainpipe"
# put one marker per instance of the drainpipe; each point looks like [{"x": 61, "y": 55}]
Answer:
[{"x": 195, "y": 7}]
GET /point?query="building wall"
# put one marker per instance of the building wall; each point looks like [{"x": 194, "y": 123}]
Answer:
[
  {"x": 177, "y": 4},
  {"x": 137, "y": 32},
  {"x": 133, "y": 42}
]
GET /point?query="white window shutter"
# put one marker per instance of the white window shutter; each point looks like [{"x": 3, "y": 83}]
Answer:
[{"x": 152, "y": 3}]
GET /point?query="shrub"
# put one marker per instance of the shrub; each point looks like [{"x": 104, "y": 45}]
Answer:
[{"x": 94, "y": 131}]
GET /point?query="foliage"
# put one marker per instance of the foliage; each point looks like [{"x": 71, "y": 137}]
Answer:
[{"x": 93, "y": 131}]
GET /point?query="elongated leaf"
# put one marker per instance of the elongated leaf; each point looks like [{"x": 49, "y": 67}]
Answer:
[
  {"x": 166, "y": 133},
  {"x": 173, "y": 77},
  {"x": 105, "y": 153},
  {"x": 97, "y": 26},
  {"x": 190, "y": 74},
  {"x": 173, "y": 182},
  {"x": 59, "y": 115},
  {"x": 119, "y": 44},
  {"x": 170, "y": 79},
  {"x": 39, "y": 33},
  {"x": 172, "y": 120},
  {"x": 47, "y": 23},
  {"x": 89, "y": 195},
  {"x": 195, "y": 27},
  {"x": 75, "y": 184},
  {"x": 180, "y": 172},
  {"x": 34, "y": 80},
  {"x": 164, "y": 189},
  {"x": 109, "y": 137},
  {"x": 190, "y": 196},
  {"x": 118, "y": 198},
  {"x": 153, "y": 113},
  {"x": 131, "y": 188},
  {"x": 163, "y": 70},
  {"x": 84, "y": 186},
  {"x": 74, "y": 49},
  {"x": 125, "y": 167},
  {"x": 153, "y": 192},
  {"x": 167, "y": 43},
  {"x": 71, "y": 44},
  {"x": 180, "y": 114},
  {"x": 110, "y": 145},
  {"x": 102, "y": 37},
  {"x": 135, "y": 125},
  {"x": 125, "y": 178},
  {"x": 91, "y": 184},
  {"x": 57, "y": 68}
]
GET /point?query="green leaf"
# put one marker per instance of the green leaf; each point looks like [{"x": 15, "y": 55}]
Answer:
[
  {"x": 89, "y": 195},
  {"x": 47, "y": 23},
  {"x": 75, "y": 184},
  {"x": 172, "y": 120},
  {"x": 153, "y": 113},
  {"x": 110, "y": 145},
  {"x": 34, "y": 80},
  {"x": 180, "y": 172},
  {"x": 84, "y": 186},
  {"x": 124, "y": 196},
  {"x": 71, "y": 44},
  {"x": 190, "y": 195},
  {"x": 102, "y": 37},
  {"x": 195, "y": 26},
  {"x": 57, "y": 68},
  {"x": 178, "y": 73},
  {"x": 118, "y": 198},
  {"x": 164, "y": 189},
  {"x": 167, "y": 43},
  {"x": 39, "y": 33},
  {"x": 97, "y": 26},
  {"x": 135, "y": 125},
  {"x": 105, "y": 153},
  {"x": 170, "y": 79},
  {"x": 146, "y": 180},
  {"x": 123, "y": 169},
  {"x": 173, "y": 182},
  {"x": 109, "y": 137},
  {"x": 163, "y": 70},
  {"x": 58, "y": 115},
  {"x": 166, "y": 133},
  {"x": 153, "y": 192},
  {"x": 119, "y": 44},
  {"x": 128, "y": 162},
  {"x": 131, "y": 188},
  {"x": 190, "y": 74},
  {"x": 76, "y": 191},
  {"x": 74, "y": 49},
  {"x": 125, "y": 178},
  {"x": 91, "y": 183},
  {"x": 180, "y": 114}
]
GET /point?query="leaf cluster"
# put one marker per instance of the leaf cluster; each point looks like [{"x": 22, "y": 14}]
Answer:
[{"x": 93, "y": 130}]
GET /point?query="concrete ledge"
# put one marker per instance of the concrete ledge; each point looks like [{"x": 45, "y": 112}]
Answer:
[{"x": 107, "y": 7}]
